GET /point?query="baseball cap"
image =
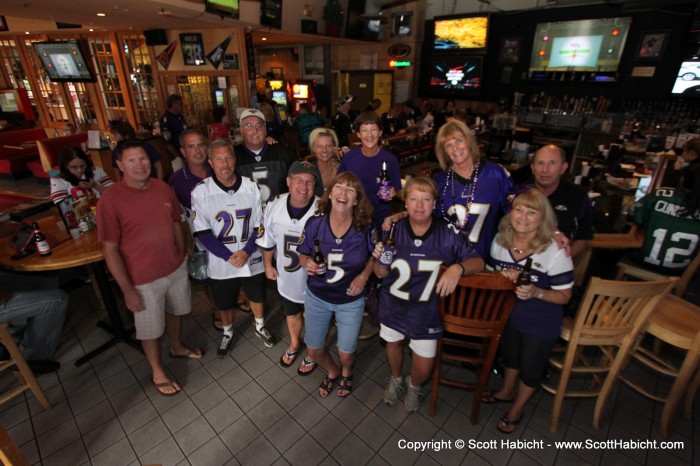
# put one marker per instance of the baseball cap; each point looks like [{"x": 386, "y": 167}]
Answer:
[
  {"x": 303, "y": 167},
  {"x": 248, "y": 112},
  {"x": 347, "y": 99}
]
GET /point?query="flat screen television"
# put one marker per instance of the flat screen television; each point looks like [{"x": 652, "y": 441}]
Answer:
[
  {"x": 453, "y": 77},
  {"x": 582, "y": 50},
  {"x": 687, "y": 83},
  {"x": 64, "y": 61},
  {"x": 459, "y": 33},
  {"x": 227, "y": 8}
]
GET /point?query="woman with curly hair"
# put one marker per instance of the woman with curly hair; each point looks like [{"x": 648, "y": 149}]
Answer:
[
  {"x": 78, "y": 178},
  {"x": 343, "y": 231}
]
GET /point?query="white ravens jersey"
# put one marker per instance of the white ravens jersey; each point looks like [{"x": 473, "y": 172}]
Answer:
[
  {"x": 233, "y": 217},
  {"x": 283, "y": 231}
]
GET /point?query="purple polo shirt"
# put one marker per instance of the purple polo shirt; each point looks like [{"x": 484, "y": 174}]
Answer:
[{"x": 183, "y": 182}]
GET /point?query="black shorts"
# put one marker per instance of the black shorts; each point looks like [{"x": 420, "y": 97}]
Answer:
[
  {"x": 290, "y": 308},
  {"x": 225, "y": 292},
  {"x": 526, "y": 353}
]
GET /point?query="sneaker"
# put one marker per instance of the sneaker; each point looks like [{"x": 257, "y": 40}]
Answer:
[
  {"x": 224, "y": 346},
  {"x": 266, "y": 336},
  {"x": 393, "y": 390},
  {"x": 413, "y": 394}
]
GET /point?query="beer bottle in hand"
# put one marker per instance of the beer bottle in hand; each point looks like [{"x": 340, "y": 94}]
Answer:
[
  {"x": 525, "y": 275},
  {"x": 384, "y": 193},
  {"x": 42, "y": 246},
  {"x": 319, "y": 259},
  {"x": 389, "y": 244}
]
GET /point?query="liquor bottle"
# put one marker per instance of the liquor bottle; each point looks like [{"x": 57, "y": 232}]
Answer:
[
  {"x": 384, "y": 193},
  {"x": 389, "y": 244},
  {"x": 319, "y": 259},
  {"x": 42, "y": 246},
  {"x": 525, "y": 276}
]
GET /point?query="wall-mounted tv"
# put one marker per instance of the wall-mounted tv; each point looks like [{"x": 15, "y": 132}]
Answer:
[
  {"x": 687, "y": 82},
  {"x": 227, "y": 8},
  {"x": 458, "y": 33},
  {"x": 453, "y": 77},
  {"x": 586, "y": 50},
  {"x": 64, "y": 61}
]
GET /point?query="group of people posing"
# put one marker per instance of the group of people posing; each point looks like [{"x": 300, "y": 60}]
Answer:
[{"x": 259, "y": 213}]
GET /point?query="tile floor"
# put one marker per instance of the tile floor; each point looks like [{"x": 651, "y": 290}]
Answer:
[{"x": 247, "y": 409}]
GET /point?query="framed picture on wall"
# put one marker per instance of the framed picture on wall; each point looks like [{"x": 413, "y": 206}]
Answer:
[
  {"x": 192, "y": 49},
  {"x": 652, "y": 45},
  {"x": 510, "y": 51}
]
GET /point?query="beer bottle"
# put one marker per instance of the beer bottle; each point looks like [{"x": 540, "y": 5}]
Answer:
[
  {"x": 42, "y": 246},
  {"x": 387, "y": 256},
  {"x": 525, "y": 275},
  {"x": 319, "y": 259},
  {"x": 384, "y": 193}
]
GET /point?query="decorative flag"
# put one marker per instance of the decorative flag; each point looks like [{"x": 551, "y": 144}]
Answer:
[
  {"x": 216, "y": 56},
  {"x": 166, "y": 56}
]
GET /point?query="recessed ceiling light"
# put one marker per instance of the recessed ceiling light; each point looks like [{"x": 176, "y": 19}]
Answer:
[
  {"x": 91, "y": 29},
  {"x": 264, "y": 38},
  {"x": 101, "y": 14},
  {"x": 26, "y": 32}
]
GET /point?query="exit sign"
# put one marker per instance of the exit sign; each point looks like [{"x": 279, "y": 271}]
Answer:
[{"x": 400, "y": 64}]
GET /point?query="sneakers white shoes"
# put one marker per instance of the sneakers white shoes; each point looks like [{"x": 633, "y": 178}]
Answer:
[
  {"x": 393, "y": 390},
  {"x": 224, "y": 346},
  {"x": 413, "y": 394},
  {"x": 266, "y": 336}
]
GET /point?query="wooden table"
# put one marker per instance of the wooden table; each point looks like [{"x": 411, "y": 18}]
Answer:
[{"x": 69, "y": 253}]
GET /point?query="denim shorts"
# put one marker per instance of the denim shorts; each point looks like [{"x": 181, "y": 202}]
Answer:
[{"x": 317, "y": 318}]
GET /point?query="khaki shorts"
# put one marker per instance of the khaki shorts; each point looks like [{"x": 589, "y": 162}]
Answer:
[
  {"x": 423, "y": 348},
  {"x": 169, "y": 294}
]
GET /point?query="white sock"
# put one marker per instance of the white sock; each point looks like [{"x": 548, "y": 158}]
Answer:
[
  {"x": 228, "y": 330},
  {"x": 410, "y": 385},
  {"x": 259, "y": 323}
]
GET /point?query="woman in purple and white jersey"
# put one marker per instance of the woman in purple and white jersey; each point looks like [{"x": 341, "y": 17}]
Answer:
[
  {"x": 535, "y": 323},
  {"x": 344, "y": 233},
  {"x": 411, "y": 288}
]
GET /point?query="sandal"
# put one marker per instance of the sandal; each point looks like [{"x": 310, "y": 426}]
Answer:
[
  {"x": 169, "y": 384},
  {"x": 305, "y": 363},
  {"x": 291, "y": 356},
  {"x": 195, "y": 353},
  {"x": 489, "y": 399},
  {"x": 507, "y": 425},
  {"x": 327, "y": 386},
  {"x": 345, "y": 385}
]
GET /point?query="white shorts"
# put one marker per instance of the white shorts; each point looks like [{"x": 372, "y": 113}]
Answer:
[{"x": 423, "y": 348}]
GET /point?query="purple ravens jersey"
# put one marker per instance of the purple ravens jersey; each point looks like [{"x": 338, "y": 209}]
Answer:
[
  {"x": 346, "y": 257},
  {"x": 490, "y": 202},
  {"x": 552, "y": 269},
  {"x": 408, "y": 303}
]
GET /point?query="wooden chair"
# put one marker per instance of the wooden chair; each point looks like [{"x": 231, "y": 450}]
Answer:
[
  {"x": 625, "y": 268},
  {"x": 24, "y": 374},
  {"x": 479, "y": 307},
  {"x": 609, "y": 319},
  {"x": 676, "y": 322},
  {"x": 10, "y": 455}
]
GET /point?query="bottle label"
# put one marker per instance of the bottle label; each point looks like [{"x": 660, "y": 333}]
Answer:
[
  {"x": 384, "y": 192},
  {"x": 43, "y": 247},
  {"x": 387, "y": 256},
  {"x": 321, "y": 269}
]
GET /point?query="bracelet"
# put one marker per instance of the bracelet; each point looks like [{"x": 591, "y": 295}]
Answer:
[
  {"x": 461, "y": 267},
  {"x": 362, "y": 277},
  {"x": 540, "y": 294}
]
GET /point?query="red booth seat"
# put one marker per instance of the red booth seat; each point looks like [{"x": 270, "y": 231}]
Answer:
[
  {"x": 50, "y": 153},
  {"x": 16, "y": 150}
]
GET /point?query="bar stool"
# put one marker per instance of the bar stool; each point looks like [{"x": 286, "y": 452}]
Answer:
[
  {"x": 676, "y": 322},
  {"x": 24, "y": 374},
  {"x": 625, "y": 268}
]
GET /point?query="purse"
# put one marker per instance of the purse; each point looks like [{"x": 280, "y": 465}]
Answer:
[{"x": 197, "y": 265}]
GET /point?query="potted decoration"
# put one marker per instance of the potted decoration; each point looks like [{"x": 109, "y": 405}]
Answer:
[{"x": 333, "y": 15}]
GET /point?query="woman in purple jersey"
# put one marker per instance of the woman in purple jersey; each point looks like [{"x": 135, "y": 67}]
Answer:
[
  {"x": 472, "y": 192},
  {"x": 344, "y": 234},
  {"x": 410, "y": 289},
  {"x": 535, "y": 323}
]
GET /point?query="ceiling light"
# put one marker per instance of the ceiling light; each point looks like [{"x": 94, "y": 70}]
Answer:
[
  {"x": 92, "y": 30},
  {"x": 101, "y": 14},
  {"x": 264, "y": 38},
  {"x": 26, "y": 32}
]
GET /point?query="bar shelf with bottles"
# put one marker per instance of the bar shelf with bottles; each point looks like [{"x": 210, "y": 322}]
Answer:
[{"x": 415, "y": 152}]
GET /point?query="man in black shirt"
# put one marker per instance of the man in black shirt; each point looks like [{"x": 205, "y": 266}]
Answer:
[{"x": 342, "y": 123}]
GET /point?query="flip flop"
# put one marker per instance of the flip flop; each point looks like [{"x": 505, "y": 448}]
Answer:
[
  {"x": 291, "y": 355},
  {"x": 345, "y": 384},
  {"x": 168, "y": 384},
  {"x": 195, "y": 353},
  {"x": 489, "y": 399},
  {"x": 507, "y": 425},
  {"x": 306, "y": 363},
  {"x": 327, "y": 386}
]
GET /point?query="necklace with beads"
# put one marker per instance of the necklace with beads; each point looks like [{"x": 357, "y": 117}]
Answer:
[{"x": 454, "y": 209}]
